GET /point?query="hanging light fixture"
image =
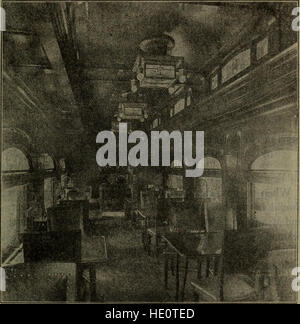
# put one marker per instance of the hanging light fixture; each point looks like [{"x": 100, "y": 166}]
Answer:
[{"x": 134, "y": 86}]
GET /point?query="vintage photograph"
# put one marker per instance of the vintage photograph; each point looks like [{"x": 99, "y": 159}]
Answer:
[{"x": 149, "y": 152}]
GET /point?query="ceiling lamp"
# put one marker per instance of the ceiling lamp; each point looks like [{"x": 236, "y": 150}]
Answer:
[
  {"x": 156, "y": 69},
  {"x": 159, "y": 71},
  {"x": 132, "y": 111},
  {"x": 159, "y": 45}
]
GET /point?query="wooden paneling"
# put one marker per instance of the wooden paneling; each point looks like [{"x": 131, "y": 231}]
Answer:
[{"x": 269, "y": 86}]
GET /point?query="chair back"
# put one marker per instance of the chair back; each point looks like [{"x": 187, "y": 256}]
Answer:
[
  {"x": 65, "y": 217},
  {"x": 211, "y": 260},
  {"x": 279, "y": 264},
  {"x": 83, "y": 208},
  {"x": 52, "y": 246},
  {"x": 148, "y": 206}
]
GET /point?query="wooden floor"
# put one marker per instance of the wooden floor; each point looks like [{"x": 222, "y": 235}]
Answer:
[{"x": 130, "y": 275}]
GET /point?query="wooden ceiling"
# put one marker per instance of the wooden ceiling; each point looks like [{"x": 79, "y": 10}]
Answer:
[
  {"x": 108, "y": 34},
  {"x": 79, "y": 56}
]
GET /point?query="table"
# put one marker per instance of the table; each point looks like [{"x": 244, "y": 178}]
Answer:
[
  {"x": 90, "y": 266},
  {"x": 189, "y": 246}
]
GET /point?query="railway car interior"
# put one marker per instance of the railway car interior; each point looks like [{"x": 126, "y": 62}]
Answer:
[{"x": 74, "y": 231}]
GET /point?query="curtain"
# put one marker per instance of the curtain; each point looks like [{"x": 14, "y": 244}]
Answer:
[{"x": 13, "y": 216}]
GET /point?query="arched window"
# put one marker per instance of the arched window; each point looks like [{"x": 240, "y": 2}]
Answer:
[
  {"x": 45, "y": 162},
  {"x": 211, "y": 163},
  {"x": 14, "y": 199},
  {"x": 272, "y": 189},
  {"x": 276, "y": 161},
  {"x": 212, "y": 167},
  {"x": 14, "y": 160}
]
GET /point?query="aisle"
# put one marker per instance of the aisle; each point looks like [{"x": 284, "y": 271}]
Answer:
[{"x": 130, "y": 275}]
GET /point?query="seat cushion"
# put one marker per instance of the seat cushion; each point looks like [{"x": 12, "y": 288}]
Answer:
[
  {"x": 40, "y": 282},
  {"x": 236, "y": 287}
]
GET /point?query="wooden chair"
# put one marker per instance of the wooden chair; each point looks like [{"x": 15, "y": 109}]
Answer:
[
  {"x": 213, "y": 285},
  {"x": 78, "y": 208},
  {"x": 62, "y": 250},
  {"x": 52, "y": 246},
  {"x": 44, "y": 267},
  {"x": 93, "y": 247},
  {"x": 154, "y": 215},
  {"x": 94, "y": 255},
  {"x": 274, "y": 276},
  {"x": 65, "y": 217}
]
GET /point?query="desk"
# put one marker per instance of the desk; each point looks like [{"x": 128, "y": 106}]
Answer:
[{"x": 189, "y": 246}]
